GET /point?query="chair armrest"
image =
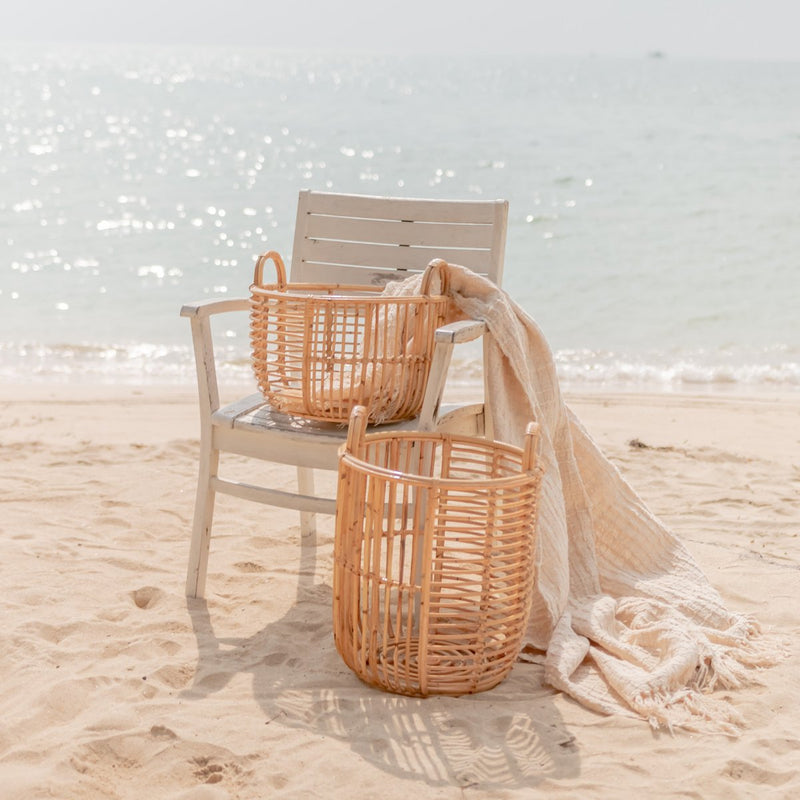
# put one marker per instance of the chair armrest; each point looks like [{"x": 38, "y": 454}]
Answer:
[
  {"x": 205, "y": 308},
  {"x": 445, "y": 338},
  {"x": 199, "y": 315},
  {"x": 465, "y": 330}
]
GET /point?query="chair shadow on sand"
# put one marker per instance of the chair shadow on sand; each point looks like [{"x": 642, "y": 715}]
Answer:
[{"x": 511, "y": 736}]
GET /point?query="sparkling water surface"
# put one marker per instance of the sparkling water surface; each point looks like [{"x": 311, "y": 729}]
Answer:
[{"x": 653, "y": 202}]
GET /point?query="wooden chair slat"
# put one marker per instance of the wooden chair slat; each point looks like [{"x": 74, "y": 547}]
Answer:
[
  {"x": 396, "y": 208},
  {"x": 384, "y": 256},
  {"x": 401, "y": 233}
]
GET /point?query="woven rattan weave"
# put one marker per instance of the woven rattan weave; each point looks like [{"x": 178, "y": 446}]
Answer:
[
  {"x": 319, "y": 350},
  {"x": 433, "y": 558}
]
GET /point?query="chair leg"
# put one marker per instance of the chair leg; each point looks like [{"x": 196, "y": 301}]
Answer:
[
  {"x": 308, "y": 535},
  {"x": 201, "y": 527},
  {"x": 305, "y": 485}
]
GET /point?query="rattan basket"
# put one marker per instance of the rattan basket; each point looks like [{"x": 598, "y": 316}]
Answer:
[
  {"x": 319, "y": 350},
  {"x": 433, "y": 558}
]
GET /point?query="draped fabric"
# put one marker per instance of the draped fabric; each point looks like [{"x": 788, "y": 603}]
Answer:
[{"x": 626, "y": 619}]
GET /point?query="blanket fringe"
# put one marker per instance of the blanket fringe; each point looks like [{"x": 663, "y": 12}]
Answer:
[
  {"x": 689, "y": 710},
  {"x": 732, "y": 667},
  {"x": 739, "y": 665}
]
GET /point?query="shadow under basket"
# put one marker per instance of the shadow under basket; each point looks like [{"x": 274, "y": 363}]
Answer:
[
  {"x": 433, "y": 558},
  {"x": 319, "y": 350}
]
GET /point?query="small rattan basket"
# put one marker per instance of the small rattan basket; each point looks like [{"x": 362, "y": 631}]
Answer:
[
  {"x": 319, "y": 350},
  {"x": 433, "y": 558}
]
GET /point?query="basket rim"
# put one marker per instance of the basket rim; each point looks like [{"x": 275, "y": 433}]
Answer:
[
  {"x": 522, "y": 476},
  {"x": 339, "y": 291}
]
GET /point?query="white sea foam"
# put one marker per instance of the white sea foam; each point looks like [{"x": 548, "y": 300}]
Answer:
[
  {"x": 690, "y": 371},
  {"x": 146, "y": 362}
]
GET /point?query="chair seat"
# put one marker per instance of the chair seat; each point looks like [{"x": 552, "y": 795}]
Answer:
[
  {"x": 252, "y": 427},
  {"x": 292, "y": 440},
  {"x": 254, "y": 413}
]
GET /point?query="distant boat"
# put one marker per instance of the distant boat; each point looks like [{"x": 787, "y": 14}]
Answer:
[{"x": 656, "y": 54}]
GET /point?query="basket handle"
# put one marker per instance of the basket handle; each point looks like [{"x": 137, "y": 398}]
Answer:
[
  {"x": 530, "y": 450},
  {"x": 356, "y": 431},
  {"x": 436, "y": 269},
  {"x": 280, "y": 269}
]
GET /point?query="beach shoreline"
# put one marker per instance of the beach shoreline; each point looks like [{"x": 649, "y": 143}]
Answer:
[{"x": 113, "y": 681}]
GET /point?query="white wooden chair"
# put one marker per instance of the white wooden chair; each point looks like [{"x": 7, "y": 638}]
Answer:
[{"x": 352, "y": 239}]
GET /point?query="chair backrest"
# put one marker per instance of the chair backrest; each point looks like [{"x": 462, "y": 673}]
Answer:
[{"x": 363, "y": 240}]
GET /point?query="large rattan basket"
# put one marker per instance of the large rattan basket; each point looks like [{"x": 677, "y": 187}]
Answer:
[
  {"x": 319, "y": 350},
  {"x": 433, "y": 558}
]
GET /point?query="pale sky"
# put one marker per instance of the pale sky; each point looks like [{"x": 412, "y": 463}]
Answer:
[{"x": 731, "y": 29}]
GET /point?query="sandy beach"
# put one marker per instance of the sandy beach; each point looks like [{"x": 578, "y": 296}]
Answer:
[{"x": 115, "y": 686}]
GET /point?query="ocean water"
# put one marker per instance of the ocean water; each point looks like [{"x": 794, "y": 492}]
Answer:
[{"x": 653, "y": 229}]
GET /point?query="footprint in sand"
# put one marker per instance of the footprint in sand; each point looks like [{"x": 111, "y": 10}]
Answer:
[
  {"x": 108, "y": 521},
  {"x": 249, "y": 566},
  {"x": 174, "y": 677},
  {"x": 147, "y": 596},
  {"x": 208, "y": 771},
  {"x": 752, "y": 773},
  {"x": 162, "y": 732}
]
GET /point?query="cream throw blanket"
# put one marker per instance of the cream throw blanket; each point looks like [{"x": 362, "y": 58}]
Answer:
[{"x": 627, "y": 620}]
